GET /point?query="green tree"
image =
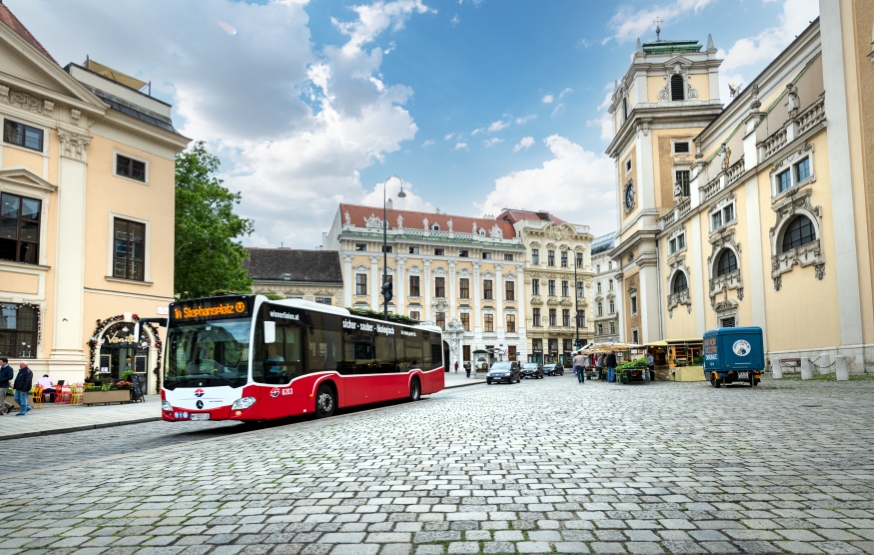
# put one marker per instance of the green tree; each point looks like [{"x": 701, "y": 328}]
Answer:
[{"x": 208, "y": 256}]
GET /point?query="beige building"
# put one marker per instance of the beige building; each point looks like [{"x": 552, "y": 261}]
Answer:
[
  {"x": 756, "y": 213},
  {"x": 558, "y": 274},
  {"x": 605, "y": 292},
  {"x": 86, "y": 230},
  {"x": 311, "y": 275}
]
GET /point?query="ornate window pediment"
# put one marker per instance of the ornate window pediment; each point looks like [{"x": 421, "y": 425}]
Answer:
[
  {"x": 464, "y": 272},
  {"x": 414, "y": 270},
  {"x": 536, "y": 300},
  {"x": 721, "y": 240},
  {"x": 440, "y": 272},
  {"x": 361, "y": 269},
  {"x": 488, "y": 274},
  {"x": 552, "y": 301},
  {"x": 675, "y": 299},
  {"x": 677, "y": 66},
  {"x": 797, "y": 203}
]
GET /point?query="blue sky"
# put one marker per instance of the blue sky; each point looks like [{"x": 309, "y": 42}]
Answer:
[{"x": 475, "y": 104}]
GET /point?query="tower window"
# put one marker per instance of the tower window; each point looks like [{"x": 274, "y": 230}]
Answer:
[{"x": 677, "y": 92}]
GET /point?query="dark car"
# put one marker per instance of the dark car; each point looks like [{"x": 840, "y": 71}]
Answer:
[
  {"x": 554, "y": 369},
  {"x": 508, "y": 372},
  {"x": 532, "y": 370}
]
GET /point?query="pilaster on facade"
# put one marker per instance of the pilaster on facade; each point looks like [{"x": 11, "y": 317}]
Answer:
[
  {"x": 374, "y": 283},
  {"x": 477, "y": 303}
]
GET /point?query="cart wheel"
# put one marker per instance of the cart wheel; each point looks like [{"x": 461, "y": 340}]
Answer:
[{"x": 715, "y": 382}]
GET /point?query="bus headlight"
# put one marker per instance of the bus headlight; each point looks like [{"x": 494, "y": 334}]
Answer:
[
  {"x": 167, "y": 406},
  {"x": 243, "y": 403}
]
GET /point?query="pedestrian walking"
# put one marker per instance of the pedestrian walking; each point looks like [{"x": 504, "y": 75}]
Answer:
[
  {"x": 467, "y": 368},
  {"x": 650, "y": 365},
  {"x": 611, "y": 366},
  {"x": 580, "y": 368},
  {"x": 6, "y": 376},
  {"x": 22, "y": 385},
  {"x": 456, "y": 367}
]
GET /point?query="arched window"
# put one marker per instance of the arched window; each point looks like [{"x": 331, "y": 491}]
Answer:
[
  {"x": 680, "y": 284},
  {"x": 799, "y": 232},
  {"x": 677, "y": 92},
  {"x": 727, "y": 263},
  {"x": 435, "y": 227}
]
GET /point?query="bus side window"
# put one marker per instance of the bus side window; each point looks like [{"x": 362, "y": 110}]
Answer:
[
  {"x": 281, "y": 361},
  {"x": 324, "y": 350},
  {"x": 413, "y": 353},
  {"x": 385, "y": 354},
  {"x": 436, "y": 352},
  {"x": 359, "y": 351},
  {"x": 426, "y": 350}
]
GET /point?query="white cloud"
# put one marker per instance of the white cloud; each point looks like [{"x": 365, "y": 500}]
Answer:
[
  {"x": 525, "y": 119},
  {"x": 526, "y": 142},
  {"x": 455, "y": 20},
  {"x": 461, "y": 146},
  {"x": 558, "y": 110},
  {"x": 565, "y": 92},
  {"x": 498, "y": 125},
  {"x": 575, "y": 184},
  {"x": 748, "y": 55},
  {"x": 429, "y": 142},
  {"x": 477, "y": 131},
  {"x": 631, "y": 23},
  {"x": 412, "y": 201},
  {"x": 492, "y": 142},
  {"x": 448, "y": 136},
  {"x": 604, "y": 120},
  {"x": 548, "y": 99}
]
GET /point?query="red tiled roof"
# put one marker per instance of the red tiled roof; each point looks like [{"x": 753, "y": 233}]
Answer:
[
  {"x": 7, "y": 17},
  {"x": 412, "y": 219},
  {"x": 519, "y": 215}
]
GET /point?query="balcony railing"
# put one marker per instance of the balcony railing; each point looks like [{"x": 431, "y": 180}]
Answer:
[
  {"x": 735, "y": 171},
  {"x": 712, "y": 187},
  {"x": 773, "y": 143},
  {"x": 814, "y": 114}
]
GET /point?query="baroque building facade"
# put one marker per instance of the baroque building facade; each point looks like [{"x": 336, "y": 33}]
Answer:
[
  {"x": 87, "y": 185},
  {"x": 606, "y": 298},
  {"x": 756, "y": 213}
]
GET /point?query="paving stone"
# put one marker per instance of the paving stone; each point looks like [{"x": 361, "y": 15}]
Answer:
[
  {"x": 533, "y": 547},
  {"x": 463, "y": 547},
  {"x": 499, "y": 547}
]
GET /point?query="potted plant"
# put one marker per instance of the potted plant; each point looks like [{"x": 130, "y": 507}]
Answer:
[{"x": 109, "y": 392}]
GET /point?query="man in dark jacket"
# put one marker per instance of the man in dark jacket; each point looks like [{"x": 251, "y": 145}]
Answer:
[
  {"x": 6, "y": 375},
  {"x": 23, "y": 384},
  {"x": 611, "y": 367}
]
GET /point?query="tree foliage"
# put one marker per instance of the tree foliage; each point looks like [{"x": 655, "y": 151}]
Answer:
[{"x": 208, "y": 255}]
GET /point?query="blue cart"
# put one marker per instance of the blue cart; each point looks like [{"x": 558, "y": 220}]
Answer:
[{"x": 734, "y": 355}]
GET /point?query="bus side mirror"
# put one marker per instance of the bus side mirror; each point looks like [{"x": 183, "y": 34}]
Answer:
[{"x": 269, "y": 332}]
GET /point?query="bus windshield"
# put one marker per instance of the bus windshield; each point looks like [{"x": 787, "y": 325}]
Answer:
[{"x": 211, "y": 353}]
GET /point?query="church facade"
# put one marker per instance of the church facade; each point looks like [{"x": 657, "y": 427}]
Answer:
[{"x": 755, "y": 213}]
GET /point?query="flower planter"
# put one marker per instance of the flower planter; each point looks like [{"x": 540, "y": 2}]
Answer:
[{"x": 103, "y": 397}]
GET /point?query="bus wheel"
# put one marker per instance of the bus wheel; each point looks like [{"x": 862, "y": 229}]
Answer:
[
  {"x": 415, "y": 390},
  {"x": 326, "y": 401}
]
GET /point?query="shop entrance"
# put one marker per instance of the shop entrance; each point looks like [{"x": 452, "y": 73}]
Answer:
[{"x": 120, "y": 353}]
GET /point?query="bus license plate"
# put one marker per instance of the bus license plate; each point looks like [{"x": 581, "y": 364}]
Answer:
[
  {"x": 740, "y": 376},
  {"x": 200, "y": 416}
]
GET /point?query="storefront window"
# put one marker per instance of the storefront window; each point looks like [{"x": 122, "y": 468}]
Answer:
[{"x": 18, "y": 331}]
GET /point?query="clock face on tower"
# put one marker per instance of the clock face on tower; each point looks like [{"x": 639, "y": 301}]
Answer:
[{"x": 629, "y": 196}]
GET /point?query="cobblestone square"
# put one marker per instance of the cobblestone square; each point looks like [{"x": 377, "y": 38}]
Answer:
[{"x": 546, "y": 466}]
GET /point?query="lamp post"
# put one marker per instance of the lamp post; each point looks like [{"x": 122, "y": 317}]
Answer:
[
  {"x": 576, "y": 305},
  {"x": 386, "y": 286}
]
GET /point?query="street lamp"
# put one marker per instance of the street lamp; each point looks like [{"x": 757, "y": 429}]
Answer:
[{"x": 386, "y": 286}]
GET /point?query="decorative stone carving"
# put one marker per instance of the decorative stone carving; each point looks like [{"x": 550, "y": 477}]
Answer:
[
  {"x": 73, "y": 145},
  {"x": 24, "y": 101},
  {"x": 348, "y": 218},
  {"x": 474, "y": 228},
  {"x": 665, "y": 92},
  {"x": 373, "y": 222},
  {"x": 796, "y": 203},
  {"x": 496, "y": 232},
  {"x": 449, "y": 224},
  {"x": 75, "y": 115},
  {"x": 48, "y": 108},
  {"x": 400, "y": 222},
  {"x": 819, "y": 270},
  {"x": 778, "y": 283},
  {"x": 678, "y": 265},
  {"x": 792, "y": 100},
  {"x": 4, "y": 93},
  {"x": 725, "y": 157},
  {"x": 721, "y": 240},
  {"x": 552, "y": 301},
  {"x": 425, "y": 223},
  {"x": 536, "y": 300}
]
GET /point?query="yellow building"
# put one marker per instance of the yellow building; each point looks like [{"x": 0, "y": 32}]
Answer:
[
  {"x": 87, "y": 197},
  {"x": 755, "y": 214}
]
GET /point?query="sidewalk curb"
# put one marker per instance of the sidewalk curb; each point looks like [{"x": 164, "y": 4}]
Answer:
[
  {"x": 463, "y": 385},
  {"x": 79, "y": 428}
]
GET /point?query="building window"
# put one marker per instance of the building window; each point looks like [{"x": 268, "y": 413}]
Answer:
[
  {"x": 598, "y": 286},
  {"x": 681, "y": 147},
  {"x": 441, "y": 320},
  {"x": 360, "y": 247},
  {"x": 550, "y": 258},
  {"x": 633, "y": 305},
  {"x": 19, "y": 228},
  {"x": 463, "y": 253},
  {"x": 678, "y": 243},
  {"x": 564, "y": 259},
  {"x": 387, "y": 248},
  {"x": 634, "y": 337},
  {"x": 414, "y": 286},
  {"x": 361, "y": 284},
  {"x": 598, "y": 268},
  {"x": 537, "y": 346},
  {"x": 628, "y": 165},
  {"x": 414, "y": 250},
  {"x": 610, "y": 265},
  {"x": 800, "y": 232},
  {"x": 677, "y": 92},
  {"x": 600, "y": 309},
  {"x": 415, "y": 315},
  {"x": 581, "y": 318},
  {"x": 680, "y": 283},
  {"x": 465, "y": 321},
  {"x": 487, "y": 289},
  {"x": 130, "y": 168},
  {"x": 510, "y": 290},
  {"x": 600, "y": 329},
  {"x": 435, "y": 227},
  {"x": 581, "y": 289},
  {"x": 130, "y": 250},
  {"x": 727, "y": 263},
  {"x": 508, "y": 257},
  {"x": 579, "y": 260},
  {"x": 552, "y": 317},
  {"x": 487, "y": 256},
  {"x": 535, "y": 256},
  {"x": 18, "y": 330},
  {"x": 612, "y": 307},
  {"x": 722, "y": 217},
  {"x": 439, "y": 252},
  {"x": 565, "y": 289},
  {"x": 464, "y": 288},
  {"x": 728, "y": 322},
  {"x": 535, "y": 315},
  {"x": 511, "y": 323},
  {"x": 439, "y": 287},
  {"x": 565, "y": 317},
  {"x": 20, "y": 134},
  {"x": 535, "y": 286},
  {"x": 324, "y": 300},
  {"x": 566, "y": 345},
  {"x": 552, "y": 288},
  {"x": 488, "y": 322},
  {"x": 683, "y": 179},
  {"x": 802, "y": 170},
  {"x": 612, "y": 327},
  {"x": 610, "y": 285},
  {"x": 784, "y": 181}
]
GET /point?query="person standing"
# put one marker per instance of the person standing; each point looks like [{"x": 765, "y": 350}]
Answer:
[
  {"x": 467, "y": 368},
  {"x": 23, "y": 384},
  {"x": 602, "y": 366},
  {"x": 580, "y": 368},
  {"x": 650, "y": 365},
  {"x": 6, "y": 376},
  {"x": 611, "y": 366},
  {"x": 456, "y": 367}
]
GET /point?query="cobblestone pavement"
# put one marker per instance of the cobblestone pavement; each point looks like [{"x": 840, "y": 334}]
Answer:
[{"x": 542, "y": 467}]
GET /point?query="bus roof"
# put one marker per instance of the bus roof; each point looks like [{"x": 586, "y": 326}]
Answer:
[{"x": 319, "y": 307}]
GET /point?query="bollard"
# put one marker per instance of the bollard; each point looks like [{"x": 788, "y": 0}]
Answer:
[
  {"x": 842, "y": 368},
  {"x": 806, "y": 369},
  {"x": 824, "y": 364},
  {"x": 776, "y": 368}
]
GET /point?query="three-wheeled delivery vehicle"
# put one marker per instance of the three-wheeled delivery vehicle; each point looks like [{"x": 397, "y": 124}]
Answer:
[{"x": 733, "y": 355}]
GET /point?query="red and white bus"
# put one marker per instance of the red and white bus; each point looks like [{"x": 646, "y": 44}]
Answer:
[{"x": 248, "y": 358}]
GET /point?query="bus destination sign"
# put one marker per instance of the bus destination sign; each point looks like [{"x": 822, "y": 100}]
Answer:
[{"x": 210, "y": 309}]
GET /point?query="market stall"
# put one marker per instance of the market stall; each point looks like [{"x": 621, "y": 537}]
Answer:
[{"x": 677, "y": 359}]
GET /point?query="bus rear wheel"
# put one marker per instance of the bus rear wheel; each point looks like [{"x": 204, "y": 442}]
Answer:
[
  {"x": 415, "y": 390},
  {"x": 326, "y": 401}
]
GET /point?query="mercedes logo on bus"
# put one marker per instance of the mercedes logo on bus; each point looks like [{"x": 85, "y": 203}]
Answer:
[{"x": 199, "y": 404}]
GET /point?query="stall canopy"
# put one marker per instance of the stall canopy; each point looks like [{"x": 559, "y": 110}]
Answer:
[
  {"x": 694, "y": 341},
  {"x": 600, "y": 348}
]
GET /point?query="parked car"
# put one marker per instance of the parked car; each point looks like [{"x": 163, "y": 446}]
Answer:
[
  {"x": 532, "y": 370},
  {"x": 554, "y": 369},
  {"x": 508, "y": 372}
]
